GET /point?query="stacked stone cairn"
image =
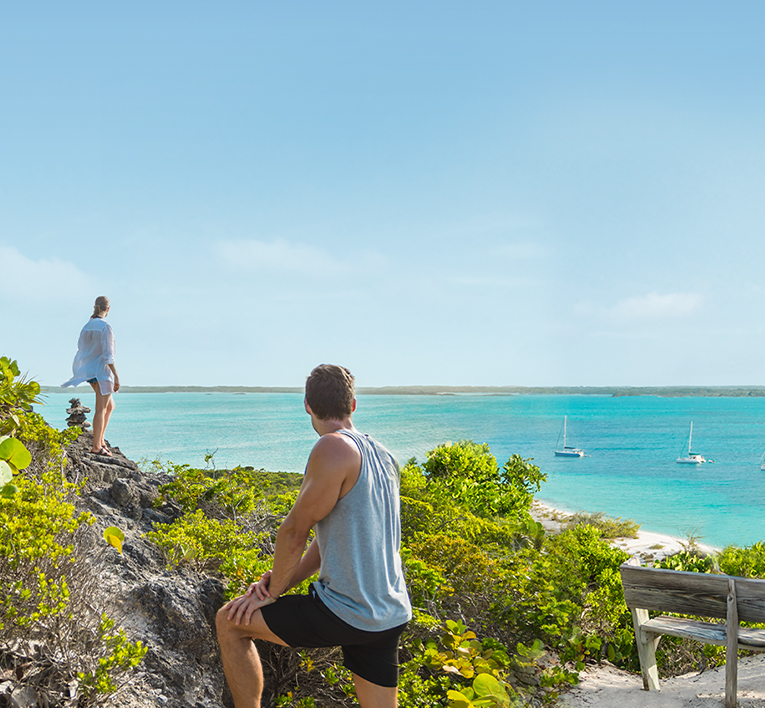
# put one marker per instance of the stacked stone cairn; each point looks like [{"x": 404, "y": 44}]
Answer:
[{"x": 77, "y": 413}]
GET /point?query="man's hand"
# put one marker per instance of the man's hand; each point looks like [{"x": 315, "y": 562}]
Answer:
[
  {"x": 260, "y": 589},
  {"x": 242, "y": 607}
]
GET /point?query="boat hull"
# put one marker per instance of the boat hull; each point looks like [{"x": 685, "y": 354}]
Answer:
[
  {"x": 569, "y": 453},
  {"x": 691, "y": 460}
]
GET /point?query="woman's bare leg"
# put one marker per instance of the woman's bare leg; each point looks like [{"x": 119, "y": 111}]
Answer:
[
  {"x": 100, "y": 418},
  {"x": 108, "y": 410}
]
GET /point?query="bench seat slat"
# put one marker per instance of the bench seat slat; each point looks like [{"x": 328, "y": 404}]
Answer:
[{"x": 706, "y": 632}]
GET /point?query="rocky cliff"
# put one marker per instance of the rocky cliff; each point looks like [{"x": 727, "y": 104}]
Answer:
[{"x": 172, "y": 613}]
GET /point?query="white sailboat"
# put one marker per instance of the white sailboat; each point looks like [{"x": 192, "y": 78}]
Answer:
[
  {"x": 762, "y": 462},
  {"x": 566, "y": 450},
  {"x": 691, "y": 458}
]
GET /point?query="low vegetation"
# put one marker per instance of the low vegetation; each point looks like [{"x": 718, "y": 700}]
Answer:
[
  {"x": 504, "y": 614},
  {"x": 608, "y": 526},
  {"x": 53, "y": 636}
]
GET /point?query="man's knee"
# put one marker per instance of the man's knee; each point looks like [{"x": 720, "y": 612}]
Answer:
[{"x": 228, "y": 629}]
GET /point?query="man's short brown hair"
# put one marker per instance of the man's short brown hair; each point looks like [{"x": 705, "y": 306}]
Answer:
[{"x": 329, "y": 391}]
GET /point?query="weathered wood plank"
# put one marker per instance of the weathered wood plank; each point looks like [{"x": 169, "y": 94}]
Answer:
[
  {"x": 692, "y": 593},
  {"x": 721, "y": 596},
  {"x": 646, "y": 647},
  {"x": 675, "y": 591},
  {"x": 751, "y": 599},
  {"x": 731, "y": 652},
  {"x": 706, "y": 632}
]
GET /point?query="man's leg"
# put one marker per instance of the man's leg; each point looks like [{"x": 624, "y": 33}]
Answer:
[
  {"x": 371, "y": 695},
  {"x": 241, "y": 662}
]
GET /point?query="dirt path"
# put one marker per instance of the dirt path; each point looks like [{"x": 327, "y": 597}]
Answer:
[{"x": 608, "y": 687}]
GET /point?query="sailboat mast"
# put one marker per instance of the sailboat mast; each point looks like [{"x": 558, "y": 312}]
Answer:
[
  {"x": 564, "y": 431},
  {"x": 690, "y": 437}
]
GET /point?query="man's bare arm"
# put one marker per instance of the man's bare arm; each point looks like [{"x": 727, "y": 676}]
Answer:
[
  {"x": 332, "y": 470},
  {"x": 309, "y": 564},
  {"x": 335, "y": 460}
]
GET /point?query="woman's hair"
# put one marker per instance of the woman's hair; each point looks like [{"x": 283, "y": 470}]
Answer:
[
  {"x": 329, "y": 391},
  {"x": 101, "y": 306}
]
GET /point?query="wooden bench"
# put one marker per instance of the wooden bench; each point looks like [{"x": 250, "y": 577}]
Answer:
[{"x": 719, "y": 596}]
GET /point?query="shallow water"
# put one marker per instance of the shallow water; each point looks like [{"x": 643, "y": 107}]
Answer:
[{"x": 631, "y": 443}]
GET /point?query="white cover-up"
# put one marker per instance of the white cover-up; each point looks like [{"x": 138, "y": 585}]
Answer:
[{"x": 95, "y": 351}]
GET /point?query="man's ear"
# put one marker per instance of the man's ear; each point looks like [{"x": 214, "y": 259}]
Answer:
[
  {"x": 307, "y": 407},
  {"x": 353, "y": 407}
]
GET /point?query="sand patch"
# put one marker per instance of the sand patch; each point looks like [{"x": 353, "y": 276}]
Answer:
[{"x": 608, "y": 687}]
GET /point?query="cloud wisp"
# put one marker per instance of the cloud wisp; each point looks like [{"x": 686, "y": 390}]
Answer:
[
  {"x": 39, "y": 281},
  {"x": 654, "y": 306},
  {"x": 281, "y": 256}
]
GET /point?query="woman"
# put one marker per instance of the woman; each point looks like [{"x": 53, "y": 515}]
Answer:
[{"x": 94, "y": 363}]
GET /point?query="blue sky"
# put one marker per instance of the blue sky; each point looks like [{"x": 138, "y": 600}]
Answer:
[{"x": 494, "y": 193}]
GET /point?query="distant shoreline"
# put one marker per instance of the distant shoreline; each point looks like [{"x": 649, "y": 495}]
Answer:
[{"x": 612, "y": 391}]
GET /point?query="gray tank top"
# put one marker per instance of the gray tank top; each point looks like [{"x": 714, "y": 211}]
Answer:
[{"x": 361, "y": 579}]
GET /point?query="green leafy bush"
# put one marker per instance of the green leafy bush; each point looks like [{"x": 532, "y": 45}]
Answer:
[
  {"x": 748, "y": 562},
  {"x": 16, "y": 393},
  {"x": 608, "y": 526},
  {"x": 48, "y": 591},
  {"x": 202, "y": 541},
  {"x": 49, "y": 574},
  {"x": 469, "y": 472},
  {"x": 460, "y": 671}
]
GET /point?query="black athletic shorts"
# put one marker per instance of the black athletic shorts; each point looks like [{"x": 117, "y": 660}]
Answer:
[{"x": 305, "y": 621}]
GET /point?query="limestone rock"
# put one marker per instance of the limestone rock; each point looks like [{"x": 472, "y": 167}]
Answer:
[
  {"x": 76, "y": 412},
  {"x": 172, "y": 613}
]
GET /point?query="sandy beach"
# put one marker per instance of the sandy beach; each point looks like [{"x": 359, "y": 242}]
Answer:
[{"x": 647, "y": 546}]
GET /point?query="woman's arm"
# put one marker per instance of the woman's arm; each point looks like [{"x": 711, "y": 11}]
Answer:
[{"x": 116, "y": 378}]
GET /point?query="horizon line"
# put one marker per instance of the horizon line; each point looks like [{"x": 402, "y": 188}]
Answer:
[{"x": 716, "y": 391}]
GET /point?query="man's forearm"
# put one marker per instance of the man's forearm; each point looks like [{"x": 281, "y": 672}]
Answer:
[
  {"x": 288, "y": 554},
  {"x": 309, "y": 564}
]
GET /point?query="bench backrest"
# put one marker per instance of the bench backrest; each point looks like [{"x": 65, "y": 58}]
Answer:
[{"x": 700, "y": 594}]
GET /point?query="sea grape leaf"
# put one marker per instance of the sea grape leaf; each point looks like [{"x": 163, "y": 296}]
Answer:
[
  {"x": 458, "y": 700},
  {"x": 14, "y": 452},
  {"x": 9, "y": 425},
  {"x": 114, "y": 537},
  {"x": 6, "y": 473},
  {"x": 486, "y": 685},
  {"x": 8, "y": 490}
]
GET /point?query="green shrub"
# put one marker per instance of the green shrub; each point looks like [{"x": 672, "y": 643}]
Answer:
[
  {"x": 468, "y": 472},
  {"x": 49, "y": 589},
  {"x": 201, "y": 541},
  {"x": 748, "y": 562},
  {"x": 16, "y": 394},
  {"x": 608, "y": 526}
]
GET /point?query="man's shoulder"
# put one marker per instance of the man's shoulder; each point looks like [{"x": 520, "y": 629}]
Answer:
[{"x": 335, "y": 448}]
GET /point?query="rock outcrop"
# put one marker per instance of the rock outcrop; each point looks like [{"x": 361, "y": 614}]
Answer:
[
  {"x": 172, "y": 613},
  {"x": 77, "y": 414}
]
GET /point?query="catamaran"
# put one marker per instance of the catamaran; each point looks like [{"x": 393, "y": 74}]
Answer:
[
  {"x": 691, "y": 458},
  {"x": 566, "y": 450}
]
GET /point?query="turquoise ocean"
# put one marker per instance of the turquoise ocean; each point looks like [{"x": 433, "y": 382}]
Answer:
[{"x": 631, "y": 442}]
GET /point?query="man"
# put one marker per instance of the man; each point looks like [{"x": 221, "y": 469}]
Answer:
[{"x": 350, "y": 497}]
